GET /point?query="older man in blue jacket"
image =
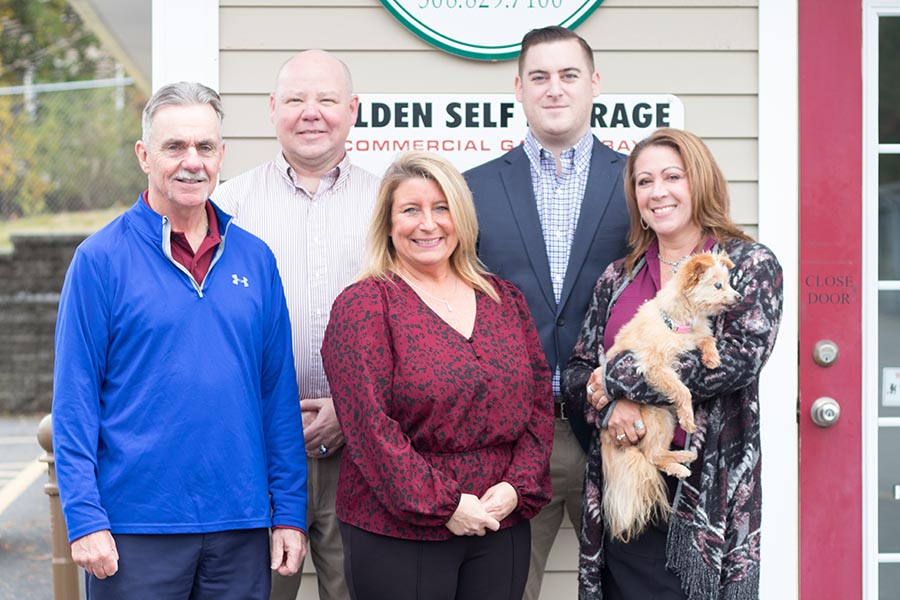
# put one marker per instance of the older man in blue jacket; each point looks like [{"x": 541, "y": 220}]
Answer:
[{"x": 177, "y": 431}]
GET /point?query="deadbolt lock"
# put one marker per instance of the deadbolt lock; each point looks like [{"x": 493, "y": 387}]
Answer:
[{"x": 825, "y": 353}]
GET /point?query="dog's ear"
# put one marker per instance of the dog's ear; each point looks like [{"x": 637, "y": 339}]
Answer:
[
  {"x": 695, "y": 268},
  {"x": 726, "y": 261}
]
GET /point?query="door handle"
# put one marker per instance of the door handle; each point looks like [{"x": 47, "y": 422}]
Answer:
[{"x": 825, "y": 412}]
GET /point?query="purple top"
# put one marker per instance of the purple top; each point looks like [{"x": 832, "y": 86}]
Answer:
[{"x": 642, "y": 288}]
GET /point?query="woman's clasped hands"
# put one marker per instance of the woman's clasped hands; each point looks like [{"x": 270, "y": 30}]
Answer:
[{"x": 475, "y": 516}]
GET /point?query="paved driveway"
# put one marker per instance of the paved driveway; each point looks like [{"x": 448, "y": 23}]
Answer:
[{"x": 25, "y": 556}]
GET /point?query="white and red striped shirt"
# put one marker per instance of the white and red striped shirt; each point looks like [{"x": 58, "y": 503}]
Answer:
[{"x": 318, "y": 239}]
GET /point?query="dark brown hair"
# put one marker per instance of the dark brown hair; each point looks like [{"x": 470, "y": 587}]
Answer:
[{"x": 553, "y": 33}]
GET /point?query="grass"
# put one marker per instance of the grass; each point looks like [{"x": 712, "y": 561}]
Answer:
[{"x": 84, "y": 221}]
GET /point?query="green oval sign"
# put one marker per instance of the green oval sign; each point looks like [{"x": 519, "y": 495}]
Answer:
[{"x": 485, "y": 29}]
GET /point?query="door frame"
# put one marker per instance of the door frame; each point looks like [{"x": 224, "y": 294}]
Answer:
[{"x": 779, "y": 229}]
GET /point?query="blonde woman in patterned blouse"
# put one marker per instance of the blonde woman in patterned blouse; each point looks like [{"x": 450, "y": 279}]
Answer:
[{"x": 443, "y": 394}]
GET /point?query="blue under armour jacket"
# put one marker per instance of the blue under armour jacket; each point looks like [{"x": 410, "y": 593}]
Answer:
[{"x": 175, "y": 405}]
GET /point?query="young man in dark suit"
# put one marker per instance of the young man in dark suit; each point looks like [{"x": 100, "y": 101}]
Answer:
[{"x": 552, "y": 216}]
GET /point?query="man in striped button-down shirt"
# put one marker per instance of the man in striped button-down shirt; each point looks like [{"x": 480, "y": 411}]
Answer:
[{"x": 312, "y": 207}]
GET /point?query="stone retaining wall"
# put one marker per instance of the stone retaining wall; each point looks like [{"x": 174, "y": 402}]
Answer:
[{"x": 31, "y": 277}]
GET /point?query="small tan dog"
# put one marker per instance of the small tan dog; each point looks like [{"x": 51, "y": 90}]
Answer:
[{"x": 674, "y": 322}]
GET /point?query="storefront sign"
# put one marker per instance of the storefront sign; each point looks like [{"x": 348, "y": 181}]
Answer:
[
  {"x": 485, "y": 29},
  {"x": 470, "y": 129}
]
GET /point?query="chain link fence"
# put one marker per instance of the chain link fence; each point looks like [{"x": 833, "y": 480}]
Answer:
[{"x": 69, "y": 147}]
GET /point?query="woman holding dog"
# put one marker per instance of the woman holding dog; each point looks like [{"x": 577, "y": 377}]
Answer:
[
  {"x": 443, "y": 395},
  {"x": 709, "y": 547}
]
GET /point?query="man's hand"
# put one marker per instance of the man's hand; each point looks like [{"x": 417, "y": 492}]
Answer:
[
  {"x": 96, "y": 553},
  {"x": 288, "y": 550},
  {"x": 500, "y": 500},
  {"x": 320, "y": 427}
]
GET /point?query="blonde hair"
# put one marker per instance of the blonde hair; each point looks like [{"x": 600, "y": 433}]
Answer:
[
  {"x": 709, "y": 192},
  {"x": 381, "y": 256}
]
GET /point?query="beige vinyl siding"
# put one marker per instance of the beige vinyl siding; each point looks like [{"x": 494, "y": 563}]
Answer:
[
  {"x": 703, "y": 51},
  {"x": 715, "y": 27}
]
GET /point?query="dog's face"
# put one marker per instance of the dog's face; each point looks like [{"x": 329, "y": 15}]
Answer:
[{"x": 704, "y": 282}]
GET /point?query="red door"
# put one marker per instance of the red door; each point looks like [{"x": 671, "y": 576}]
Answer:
[{"x": 831, "y": 159}]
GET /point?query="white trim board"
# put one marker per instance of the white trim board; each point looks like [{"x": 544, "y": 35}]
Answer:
[
  {"x": 185, "y": 42},
  {"x": 779, "y": 228}
]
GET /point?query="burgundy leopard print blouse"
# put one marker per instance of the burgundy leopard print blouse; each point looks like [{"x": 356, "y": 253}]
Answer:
[{"x": 428, "y": 414}]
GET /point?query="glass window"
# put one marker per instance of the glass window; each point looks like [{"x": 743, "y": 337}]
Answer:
[
  {"x": 889, "y": 216},
  {"x": 889, "y": 354},
  {"x": 888, "y": 581},
  {"x": 888, "y": 81},
  {"x": 889, "y": 491}
]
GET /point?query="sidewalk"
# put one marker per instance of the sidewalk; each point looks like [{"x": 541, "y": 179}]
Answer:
[{"x": 25, "y": 554}]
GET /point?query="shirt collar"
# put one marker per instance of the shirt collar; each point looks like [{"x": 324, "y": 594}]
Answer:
[
  {"x": 578, "y": 155},
  {"x": 213, "y": 228},
  {"x": 331, "y": 179}
]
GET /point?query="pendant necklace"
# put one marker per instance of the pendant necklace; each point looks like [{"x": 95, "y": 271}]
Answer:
[
  {"x": 432, "y": 296},
  {"x": 672, "y": 263}
]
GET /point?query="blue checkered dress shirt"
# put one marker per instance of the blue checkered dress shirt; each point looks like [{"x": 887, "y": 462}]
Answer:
[{"x": 559, "y": 200}]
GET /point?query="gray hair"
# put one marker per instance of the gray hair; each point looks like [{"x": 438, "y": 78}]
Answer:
[{"x": 183, "y": 93}]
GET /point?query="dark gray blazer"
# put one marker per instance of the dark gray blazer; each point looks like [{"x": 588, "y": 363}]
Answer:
[{"x": 511, "y": 245}]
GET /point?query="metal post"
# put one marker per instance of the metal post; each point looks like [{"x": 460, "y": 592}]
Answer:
[
  {"x": 120, "y": 88},
  {"x": 30, "y": 96},
  {"x": 65, "y": 571}
]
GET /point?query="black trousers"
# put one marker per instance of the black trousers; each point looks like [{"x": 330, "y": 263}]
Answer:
[
  {"x": 225, "y": 565},
  {"x": 637, "y": 570},
  {"x": 492, "y": 567}
]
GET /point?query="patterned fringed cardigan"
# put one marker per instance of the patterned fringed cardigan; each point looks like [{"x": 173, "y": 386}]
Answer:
[{"x": 713, "y": 539}]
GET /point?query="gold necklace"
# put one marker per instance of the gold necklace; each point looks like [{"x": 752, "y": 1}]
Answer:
[{"x": 432, "y": 296}]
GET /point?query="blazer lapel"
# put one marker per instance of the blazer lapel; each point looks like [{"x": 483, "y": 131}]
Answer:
[
  {"x": 602, "y": 179},
  {"x": 520, "y": 194}
]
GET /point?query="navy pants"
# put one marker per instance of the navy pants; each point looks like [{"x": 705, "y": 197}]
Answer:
[
  {"x": 492, "y": 567},
  {"x": 225, "y": 565}
]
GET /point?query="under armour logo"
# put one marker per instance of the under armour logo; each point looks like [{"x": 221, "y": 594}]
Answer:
[{"x": 236, "y": 280}]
